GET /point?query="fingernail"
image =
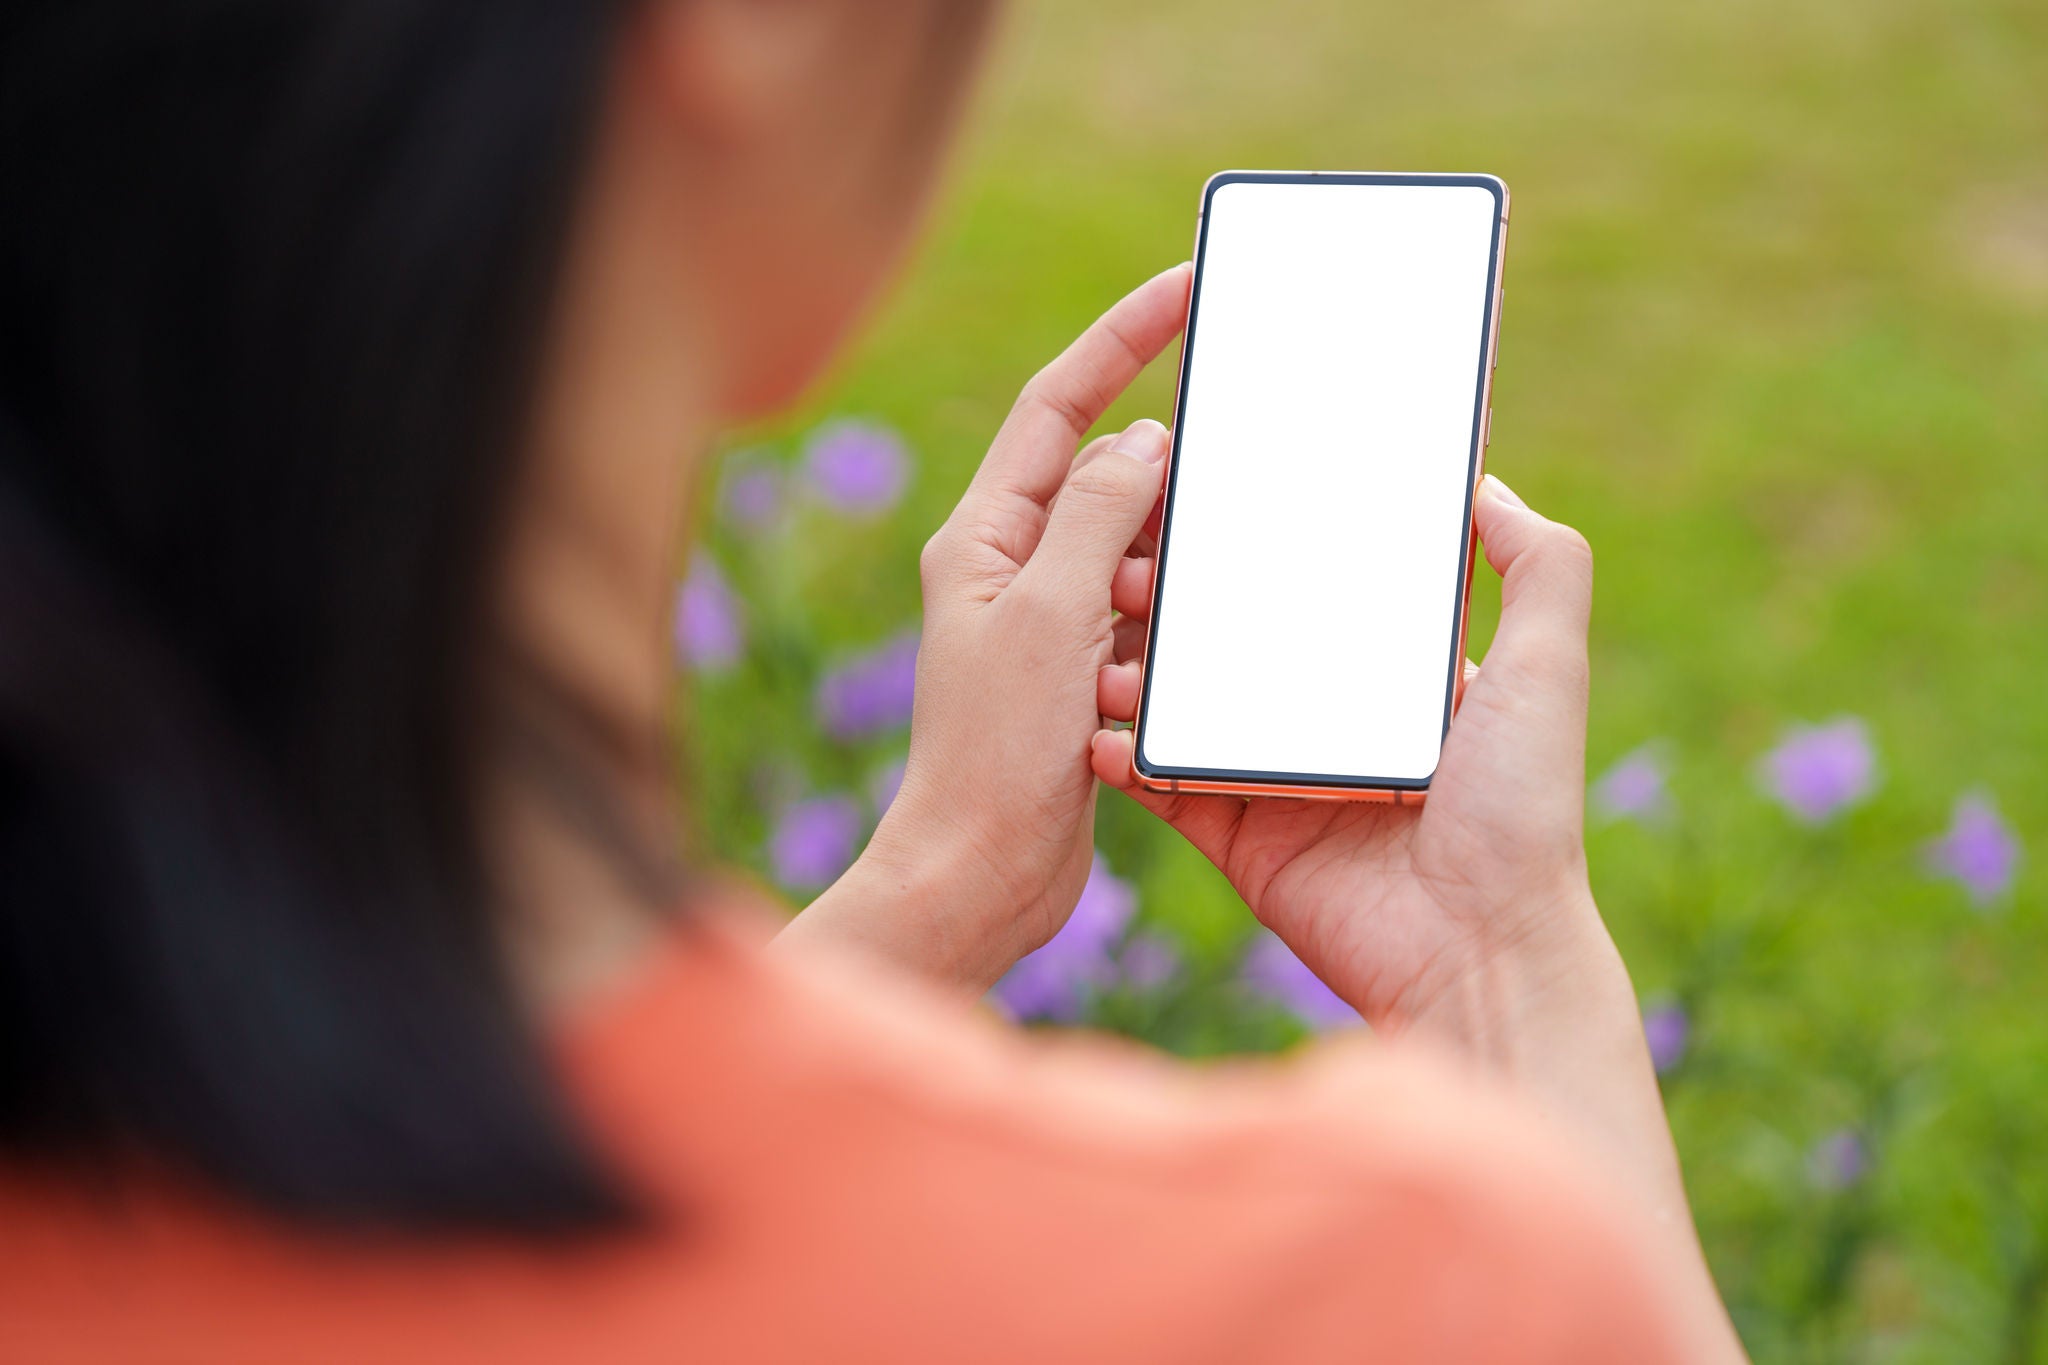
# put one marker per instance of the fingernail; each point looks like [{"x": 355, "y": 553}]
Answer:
[
  {"x": 1144, "y": 440},
  {"x": 1505, "y": 493}
]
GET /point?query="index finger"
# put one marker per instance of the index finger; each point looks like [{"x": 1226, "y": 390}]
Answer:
[{"x": 1035, "y": 448}]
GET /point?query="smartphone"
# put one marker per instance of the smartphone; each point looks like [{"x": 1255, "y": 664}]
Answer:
[{"x": 1315, "y": 547}]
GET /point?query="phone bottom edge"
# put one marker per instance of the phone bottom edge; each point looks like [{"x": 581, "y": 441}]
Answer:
[{"x": 1175, "y": 786}]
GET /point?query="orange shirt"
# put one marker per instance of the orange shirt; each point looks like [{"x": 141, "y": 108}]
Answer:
[{"x": 866, "y": 1173}]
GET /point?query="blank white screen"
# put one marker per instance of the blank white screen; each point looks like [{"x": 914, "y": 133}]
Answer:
[{"x": 1306, "y": 605}]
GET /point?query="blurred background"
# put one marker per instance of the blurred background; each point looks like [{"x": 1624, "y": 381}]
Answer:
[{"x": 1776, "y": 339}]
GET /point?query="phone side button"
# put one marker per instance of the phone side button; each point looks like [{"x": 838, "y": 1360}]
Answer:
[{"x": 1486, "y": 429}]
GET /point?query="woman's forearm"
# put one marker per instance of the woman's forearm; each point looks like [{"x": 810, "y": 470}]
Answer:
[
  {"x": 1557, "y": 1020},
  {"x": 1560, "y": 1024}
]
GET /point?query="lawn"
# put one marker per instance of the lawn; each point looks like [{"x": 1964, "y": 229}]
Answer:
[{"x": 1776, "y": 340}]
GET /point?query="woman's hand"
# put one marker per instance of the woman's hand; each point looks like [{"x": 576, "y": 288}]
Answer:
[
  {"x": 1398, "y": 906},
  {"x": 982, "y": 855},
  {"x": 1469, "y": 919}
]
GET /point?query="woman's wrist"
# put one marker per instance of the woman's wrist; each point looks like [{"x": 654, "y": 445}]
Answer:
[
  {"x": 1493, "y": 998},
  {"x": 918, "y": 900},
  {"x": 1554, "y": 1016}
]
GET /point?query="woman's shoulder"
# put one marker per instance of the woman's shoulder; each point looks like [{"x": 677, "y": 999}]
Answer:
[
  {"x": 1352, "y": 1193},
  {"x": 840, "y": 1165}
]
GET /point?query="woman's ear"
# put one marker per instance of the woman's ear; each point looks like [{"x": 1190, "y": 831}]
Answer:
[{"x": 732, "y": 69}]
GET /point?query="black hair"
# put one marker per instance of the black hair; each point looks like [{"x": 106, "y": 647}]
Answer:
[{"x": 272, "y": 278}]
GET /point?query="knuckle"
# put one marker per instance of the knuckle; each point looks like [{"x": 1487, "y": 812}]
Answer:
[
  {"x": 1030, "y": 395},
  {"x": 1563, "y": 551},
  {"x": 1034, "y": 597},
  {"x": 1574, "y": 546},
  {"x": 1046, "y": 391},
  {"x": 1044, "y": 377},
  {"x": 936, "y": 558},
  {"x": 1108, "y": 479}
]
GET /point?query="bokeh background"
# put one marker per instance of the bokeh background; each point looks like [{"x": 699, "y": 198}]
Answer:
[{"x": 1776, "y": 339}]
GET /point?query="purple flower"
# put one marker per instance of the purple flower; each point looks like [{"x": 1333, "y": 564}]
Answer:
[
  {"x": 856, "y": 467},
  {"x": 815, "y": 841},
  {"x": 1818, "y": 771},
  {"x": 1634, "y": 788},
  {"x": 870, "y": 693},
  {"x": 1055, "y": 982},
  {"x": 1273, "y": 973},
  {"x": 1149, "y": 961},
  {"x": 709, "y": 631},
  {"x": 1979, "y": 850},
  {"x": 1667, "y": 1031},
  {"x": 882, "y": 788},
  {"x": 1838, "y": 1160},
  {"x": 751, "y": 493}
]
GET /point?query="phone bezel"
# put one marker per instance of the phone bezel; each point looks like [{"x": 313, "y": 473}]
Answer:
[{"x": 1330, "y": 785}]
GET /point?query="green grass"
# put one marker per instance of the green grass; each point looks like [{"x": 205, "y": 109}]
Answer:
[{"x": 1776, "y": 339}]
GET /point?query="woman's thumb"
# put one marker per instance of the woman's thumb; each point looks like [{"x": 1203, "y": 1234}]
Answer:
[{"x": 1546, "y": 574}]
